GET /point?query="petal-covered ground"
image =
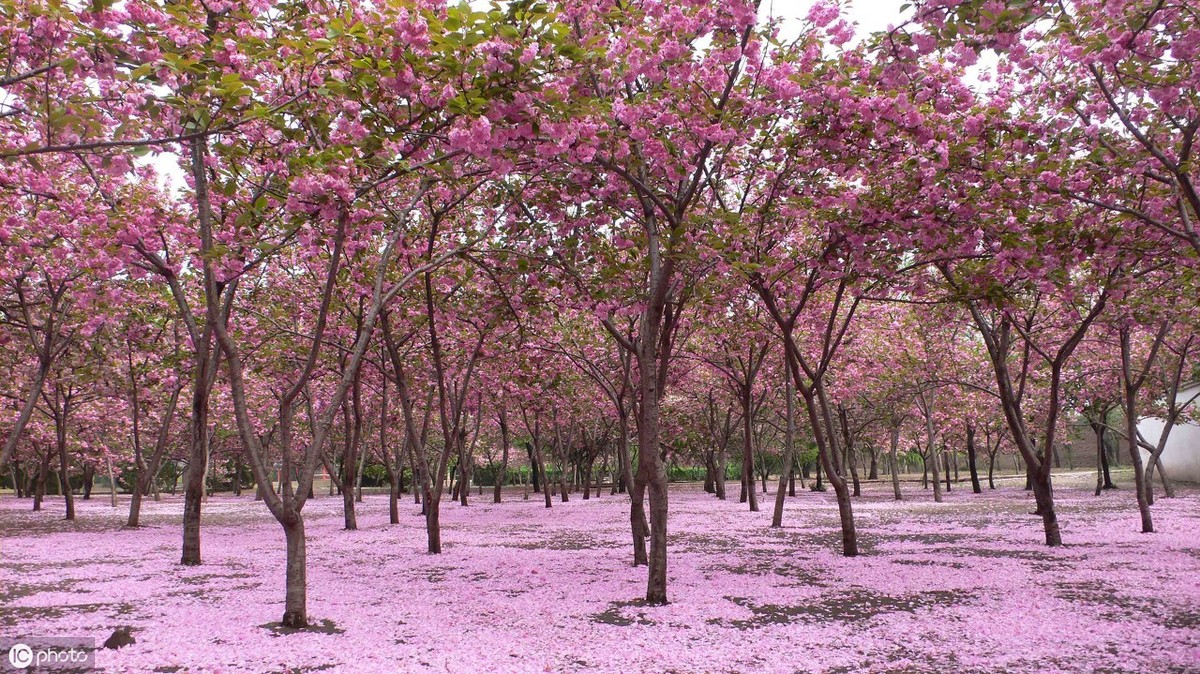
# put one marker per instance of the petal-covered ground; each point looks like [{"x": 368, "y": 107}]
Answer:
[{"x": 962, "y": 586}]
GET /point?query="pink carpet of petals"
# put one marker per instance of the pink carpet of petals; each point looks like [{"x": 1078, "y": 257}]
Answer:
[{"x": 963, "y": 586}]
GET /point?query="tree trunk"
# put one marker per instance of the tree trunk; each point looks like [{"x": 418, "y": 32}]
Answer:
[
  {"x": 358, "y": 478},
  {"x": 89, "y": 480},
  {"x": 785, "y": 470},
  {"x": 935, "y": 478},
  {"x": 540, "y": 467},
  {"x": 710, "y": 472},
  {"x": 393, "y": 496},
  {"x": 1108, "y": 483},
  {"x": 849, "y": 449},
  {"x": 561, "y": 456},
  {"x": 349, "y": 463},
  {"x": 35, "y": 390},
  {"x": 533, "y": 472},
  {"x": 853, "y": 461},
  {"x": 503, "y": 472},
  {"x": 432, "y": 525},
  {"x": 895, "y": 443},
  {"x": 39, "y": 490},
  {"x": 295, "y": 608},
  {"x": 64, "y": 475},
  {"x": 946, "y": 463},
  {"x": 1168, "y": 489},
  {"x": 1141, "y": 484},
  {"x": 193, "y": 488},
  {"x": 637, "y": 509},
  {"x": 971, "y": 460},
  {"x": 747, "y": 452},
  {"x": 587, "y": 479},
  {"x": 112, "y": 482},
  {"x": 1043, "y": 493},
  {"x": 720, "y": 472}
]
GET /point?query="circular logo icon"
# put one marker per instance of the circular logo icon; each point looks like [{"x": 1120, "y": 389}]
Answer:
[{"x": 20, "y": 656}]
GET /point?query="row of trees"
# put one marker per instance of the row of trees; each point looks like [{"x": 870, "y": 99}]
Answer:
[{"x": 589, "y": 231}]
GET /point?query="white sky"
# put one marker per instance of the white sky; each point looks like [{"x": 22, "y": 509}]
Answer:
[{"x": 870, "y": 15}]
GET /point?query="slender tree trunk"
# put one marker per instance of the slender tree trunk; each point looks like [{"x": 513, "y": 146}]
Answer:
[
  {"x": 637, "y": 509},
  {"x": 39, "y": 490},
  {"x": 823, "y": 426},
  {"x": 720, "y": 472},
  {"x": 358, "y": 479},
  {"x": 946, "y": 461},
  {"x": 1141, "y": 484},
  {"x": 504, "y": 444},
  {"x": 932, "y": 464},
  {"x": 748, "y": 451},
  {"x": 193, "y": 488},
  {"x": 1108, "y": 483},
  {"x": 349, "y": 463},
  {"x": 393, "y": 496},
  {"x": 849, "y": 449},
  {"x": 788, "y": 439},
  {"x": 541, "y": 469},
  {"x": 112, "y": 482},
  {"x": 392, "y": 461},
  {"x": 853, "y": 460},
  {"x": 587, "y": 477},
  {"x": 205, "y": 366},
  {"x": 64, "y": 474},
  {"x": 1168, "y": 489},
  {"x": 894, "y": 437},
  {"x": 561, "y": 452},
  {"x": 1103, "y": 478},
  {"x": 534, "y": 480},
  {"x": 710, "y": 472},
  {"x": 971, "y": 460}
]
